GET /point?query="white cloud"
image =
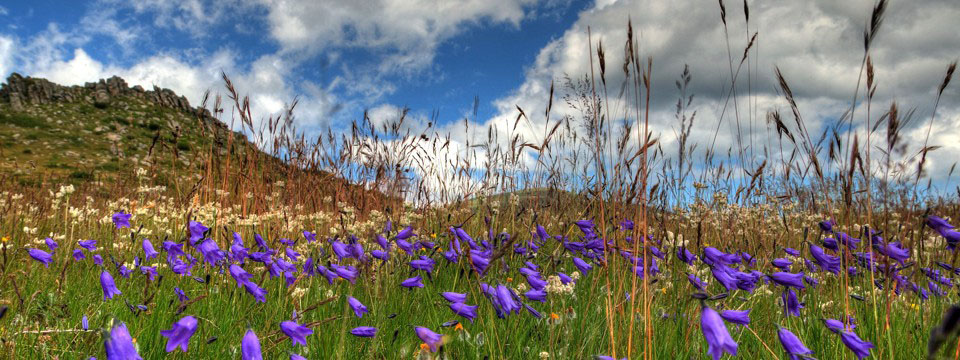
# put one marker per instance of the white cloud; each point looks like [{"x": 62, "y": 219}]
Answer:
[
  {"x": 401, "y": 36},
  {"x": 265, "y": 81},
  {"x": 817, "y": 45},
  {"x": 6, "y": 55}
]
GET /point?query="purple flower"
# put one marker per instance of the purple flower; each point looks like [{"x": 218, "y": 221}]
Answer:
[
  {"x": 467, "y": 311},
  {"x": 119, "y": 345},
  {"x": 124, "y": 271},
  {"x": 310, "y": 236},
  {"x": 826, "y": 262},
  {"x": 97, "y": 259},
  {"x": 172, "y": 248},
  {"x": 836, "y": 326},
  {"x": 250, "y": 347},
  {"x": 405, "y": 245},
  {"x": 148, "y": 250},
  {"x": 564, "y": 278},
  {"x": 791, "y": 303},
  {"x": 84, "y": 324},
  {"x": 41, "y": 256},
  {"x": 895, "y": 251},
  {"x": 792, "y": 344},
  {"x": 291, "y": 254},
  {"x": 532, "y": 311},
  {"x": 380, "y": 254},
  {"x": 238, "y": 274},
  {"x": 405, "y": 234},
  {"x": 90, "y": 245},
  {"x": 827, "y": 225},
  {"x": 121, "y": 220},
  {"x": 937, "y": 223},
  {"x": 454, "y": 297},
  {"x": 347, "y": 272},
  {"x": 261, "y": 242},
  {"x": 831, "y": 243},
  {"x": 788, "y": 279},
  {"x": 296, "y": 332},
  {"x": 340, "y": 249},
  {"x": 714, "y": 330},
  {"x": 413, "y": 282},
  {"x": 424, "y": 263},
  {"x": 431, "y": 338},
  {"x": 211, "y": 252},
  {"x": 696, "y": 282},
  {"x": 479, "y": 262},
  {"x": 78, "y": 255},
  {"x": 149, "y": 271},
  {"x": 536, "y": 282},
  {"x": 196, "y": 231},
  {"x": 782, "y": 263},
  {"x": 258, "y": 293},
  {"x": 536, "y": 295},
  {"x": 792, "y": 251},
  {"x": 52, "y": 245},
  {"x": 364, "y": 331},
  {"x": 358, "y": 308},
  {"x": 180, "y": 333},
  {"x": 582, "y": 265},
  {"x": 740, "y": 317},
  {"x": 109, "y": 287},
  {"x": 297, "y": 357},
  {"x": 850, "y": 242},
  {"x": 725, "y": 276},
  {"x": 586, "y": 226},
  {"x": 859, "y": 347},
  {"x": 182, "y": 296},
  {"x": 506, "y": 300},
  {"x": 685, "y": 255}
]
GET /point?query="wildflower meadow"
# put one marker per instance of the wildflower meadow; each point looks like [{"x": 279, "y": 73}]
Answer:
[{"x": 599, "y": 238}]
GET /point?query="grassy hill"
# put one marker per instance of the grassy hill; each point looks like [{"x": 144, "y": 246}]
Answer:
[
  {"x": 49, "y": 131},
  {"x": 103, "y": 133}
]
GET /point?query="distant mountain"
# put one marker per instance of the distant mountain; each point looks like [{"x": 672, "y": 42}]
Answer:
[{"x": 107, "y": 130}]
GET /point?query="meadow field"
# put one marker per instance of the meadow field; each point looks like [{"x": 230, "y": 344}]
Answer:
[{"x": 598, "y": 240}]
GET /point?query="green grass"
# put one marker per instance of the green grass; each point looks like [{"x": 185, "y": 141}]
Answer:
[{"x": 225, "y": 311}]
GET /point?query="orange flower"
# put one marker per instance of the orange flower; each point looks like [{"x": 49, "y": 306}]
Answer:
[
  {"x": 509, "y": 279},
  {"x": 424, "y": 347},
  {"x": 554, "y": 316},
  {"x": 458, "y": 327}
]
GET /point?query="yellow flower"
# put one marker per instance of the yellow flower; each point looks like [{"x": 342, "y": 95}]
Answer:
[
  {"x": 5, "y": 239},
  {"x": 434, "y": 235}
]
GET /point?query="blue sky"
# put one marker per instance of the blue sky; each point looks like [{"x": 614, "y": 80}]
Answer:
[{"x": 485, "y": 58}]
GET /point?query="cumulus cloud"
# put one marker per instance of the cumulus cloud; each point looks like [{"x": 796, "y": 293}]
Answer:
[
  {"x": 403, "y": 36},
  {"x": 817, "y": 45}
]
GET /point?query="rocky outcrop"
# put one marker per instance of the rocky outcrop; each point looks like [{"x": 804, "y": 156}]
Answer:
[{"x": 20, "y": 92}]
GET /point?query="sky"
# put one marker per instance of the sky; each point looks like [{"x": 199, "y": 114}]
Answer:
[{"x": 341, "y": 58}]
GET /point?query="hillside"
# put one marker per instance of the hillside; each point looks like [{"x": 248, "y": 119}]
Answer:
[
  {"x": 103, "y": 132},
  {"x": 96, "y": 130}
]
